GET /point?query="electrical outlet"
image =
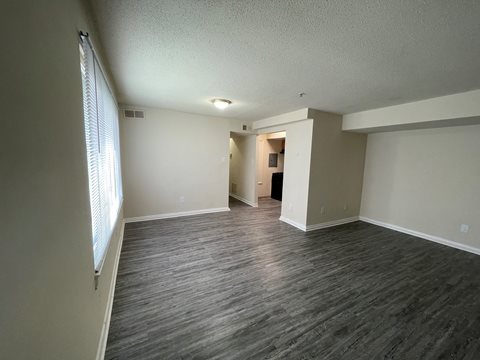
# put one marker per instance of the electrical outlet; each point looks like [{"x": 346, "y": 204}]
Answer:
[
  {"x": 181, "y": 199},
  {"x": 322, "y": 210},
  {"x": 290, "y": 206},
  {"x": 345, "y": 207},
  {"x": 464, "y": 228}
]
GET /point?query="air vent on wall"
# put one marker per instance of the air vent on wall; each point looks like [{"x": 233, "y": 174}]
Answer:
[{"x": 134, "y": 114}]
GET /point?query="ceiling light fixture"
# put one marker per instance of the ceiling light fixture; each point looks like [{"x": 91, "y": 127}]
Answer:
[{"x": 221, "y": 103}]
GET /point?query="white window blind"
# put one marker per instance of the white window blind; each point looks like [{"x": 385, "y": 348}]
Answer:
[{"x": 103, "y": 152}]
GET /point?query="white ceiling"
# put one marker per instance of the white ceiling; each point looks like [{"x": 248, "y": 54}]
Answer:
[{"x": 346, "y": 56}]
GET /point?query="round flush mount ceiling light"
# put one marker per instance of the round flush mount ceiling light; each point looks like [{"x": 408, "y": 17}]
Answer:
[{"x": 221, "y": 103}]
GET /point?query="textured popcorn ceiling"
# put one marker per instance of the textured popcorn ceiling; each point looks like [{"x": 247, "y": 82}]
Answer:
[{"x": 346, "y": 56}]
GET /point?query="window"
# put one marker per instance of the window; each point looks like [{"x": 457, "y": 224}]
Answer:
[{"x": 103, "y": 153}]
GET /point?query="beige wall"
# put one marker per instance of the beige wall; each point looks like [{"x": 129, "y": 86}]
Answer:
[
  {"x": 425, "y": 180},
  {"x": 336, "y": 172},
  {"x": 175, "y": 162},
  {"x": 49, "y": 308},
  {"x": 264, "y": 172},
  {"x": 242, "y": 167}
]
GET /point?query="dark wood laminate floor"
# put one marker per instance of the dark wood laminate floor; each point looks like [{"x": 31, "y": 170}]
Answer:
[{"x": 243, "y": 285}]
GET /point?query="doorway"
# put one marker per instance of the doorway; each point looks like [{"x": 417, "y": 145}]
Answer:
[
  {"x": 270, "y": 165},
  {"x": 242, "y": 169}
]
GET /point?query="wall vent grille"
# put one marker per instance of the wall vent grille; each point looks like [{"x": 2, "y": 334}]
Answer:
[{"x": 134, "y": 114}]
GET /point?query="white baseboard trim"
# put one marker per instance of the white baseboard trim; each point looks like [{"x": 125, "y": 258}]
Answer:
[
  {"x": 331, "y": 223},
  {"x": 102, "y": 344},
  {"x": 235, "y": 196},
  {"x": 318, "y": 226},
  {"x": 419, "y": 234},
  {"x": 293, "y": 223},
  {"x": 176, "y": 214}
]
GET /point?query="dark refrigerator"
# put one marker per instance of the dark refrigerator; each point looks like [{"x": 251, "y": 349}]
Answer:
[{"x": 277, "y": 185}]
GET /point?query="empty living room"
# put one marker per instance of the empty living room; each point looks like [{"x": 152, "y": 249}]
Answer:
[{"x": 240, "y": 179}]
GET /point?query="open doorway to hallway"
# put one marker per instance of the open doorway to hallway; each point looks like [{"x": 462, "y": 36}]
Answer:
[
  {"x": 256, "y": 167},
  {"x": 242, "y": 175},
  {"x": 270, "y": 165}
]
